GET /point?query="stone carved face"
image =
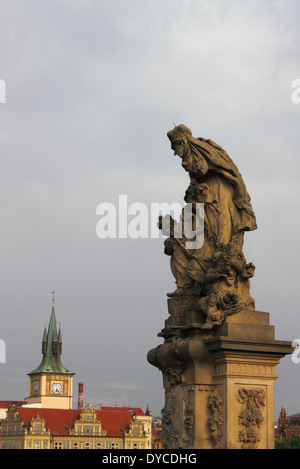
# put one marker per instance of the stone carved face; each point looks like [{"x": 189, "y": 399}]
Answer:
[{"x": 179, "y": 148}]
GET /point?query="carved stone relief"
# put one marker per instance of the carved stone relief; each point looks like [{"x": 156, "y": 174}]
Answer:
[
  {"x": 177, "y": 418},
  {"x": 172, "y": 418},
  {"x": 250, "y": 417},
  {"x": 188, "y": 414},
  {"x": 215, "y": 421}
]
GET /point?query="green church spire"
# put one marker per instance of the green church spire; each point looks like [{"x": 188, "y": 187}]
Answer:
[{"x": 51, "y": 349}]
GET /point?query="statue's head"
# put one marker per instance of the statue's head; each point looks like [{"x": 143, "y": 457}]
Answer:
[{"x": 178, "y": 139}]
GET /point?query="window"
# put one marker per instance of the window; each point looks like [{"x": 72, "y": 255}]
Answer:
[
  {"x": 88, "y": 418},
  {"x": 87, "y": 429},
  {"x": 87, "y": 446},
  {"x": 58, "y": 445},
  {"x": 10, "y": 428},
  {"x": 75, "y": 446},
  {"x": 37, "y": 428},
  {"x": 36, "y": 445},
  {"x": 136, "y": 431},
  {"x": 98, "y": 445}
]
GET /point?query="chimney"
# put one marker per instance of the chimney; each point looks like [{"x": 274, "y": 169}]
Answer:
[{"x": 80, "y": 395}]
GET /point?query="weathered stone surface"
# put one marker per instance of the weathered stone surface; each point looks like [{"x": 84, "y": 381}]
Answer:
[
  {"x": 205, "y": 366},
  {"x": 219, "y": 354},
  {"x": 217, "y": 271}
]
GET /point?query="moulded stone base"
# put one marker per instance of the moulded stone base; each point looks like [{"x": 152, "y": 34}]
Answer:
[{"x": 219, "y": 383}]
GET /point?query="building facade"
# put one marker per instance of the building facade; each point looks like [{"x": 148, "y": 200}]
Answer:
[
  {"x": 46, "y": 419},
  {"x": 108, "y": 428},
  {"x": 287, "y": 425}
]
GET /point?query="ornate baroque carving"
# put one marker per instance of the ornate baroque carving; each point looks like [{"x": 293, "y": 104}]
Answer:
[
  {"x": 250, "y": 416},
  {"x": 172, "y": 418},
  {"x": 215, "y": 421},
  {"x": 188, "y": 414},
  {"x": 177, "y": 418},
  {"x": 217, "y": 271},
  {"x": 168, "y": 359}
]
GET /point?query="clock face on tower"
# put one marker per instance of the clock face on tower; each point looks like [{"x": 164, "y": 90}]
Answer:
[{"x": 56, "y": 388}]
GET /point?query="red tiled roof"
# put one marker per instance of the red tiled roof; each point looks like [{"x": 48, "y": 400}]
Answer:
[
  {"x": 113, "y": 422},
  {"x": 135, "y": 410},
  {"x": 114, "y": 419},
  {"x": 58, "y": 421},
  {"x": 6, "y": 404}
]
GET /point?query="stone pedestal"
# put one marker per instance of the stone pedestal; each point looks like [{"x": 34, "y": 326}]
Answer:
[{"x": 219, "y": 383}]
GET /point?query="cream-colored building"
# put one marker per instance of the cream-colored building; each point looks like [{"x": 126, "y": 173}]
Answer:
[
  {"x": 46, "y": 419},
  {"x": 109, "y": 428}
]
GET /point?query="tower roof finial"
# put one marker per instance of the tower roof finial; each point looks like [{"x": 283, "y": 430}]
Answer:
[
  {"x": 53, "y": 297},
  {"x": 52, "y": 348}
]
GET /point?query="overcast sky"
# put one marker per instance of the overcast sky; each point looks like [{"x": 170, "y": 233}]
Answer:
[{"x": 92, "y": 88}]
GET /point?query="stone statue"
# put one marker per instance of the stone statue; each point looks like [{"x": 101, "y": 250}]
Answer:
[
  {"x": 219, "y": 354},
  {"x": 217, "y": 271}
]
